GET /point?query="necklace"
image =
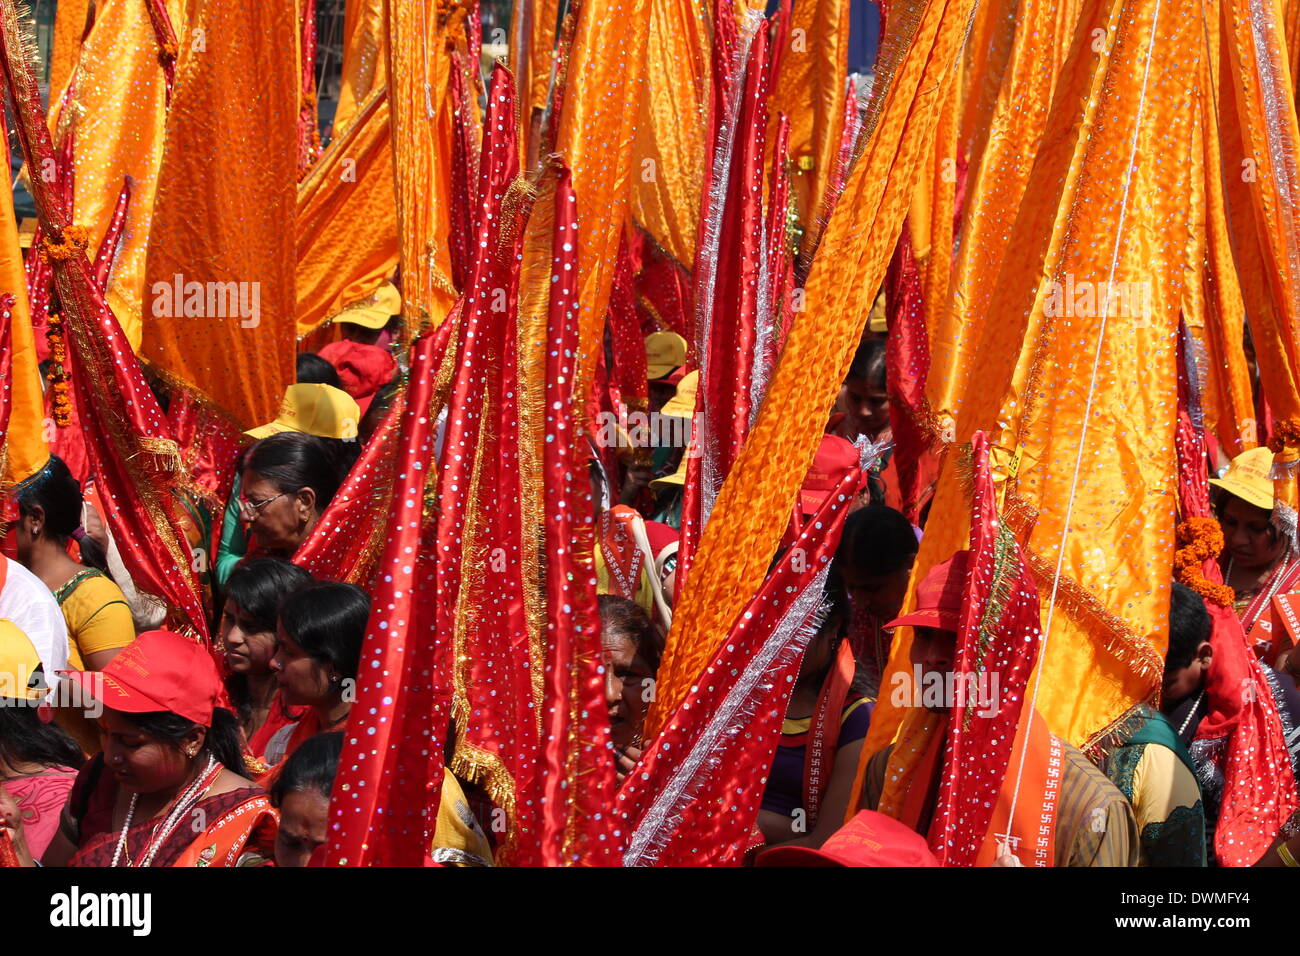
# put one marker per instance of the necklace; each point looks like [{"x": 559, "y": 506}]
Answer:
[
  {"x": 1191, "y": 713},
  {"x": 184, "y": 803}
]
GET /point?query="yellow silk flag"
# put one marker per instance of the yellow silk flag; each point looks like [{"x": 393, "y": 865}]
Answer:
[
  {"x": 1075, "y": 374},
  {"x": 365, "y": 58},
  {"x": 810, "y": 90},
  {"x": 219, "y": 311},
  {"x": 752, "y": 510},
  {"x": 1215, "y": 310},
  {"x": 1260, "y": 141},
  {"x": 347, "y": 218},
  {"x": 671, "y": 139},
  {"x": 69, "y": 28},
  {"x": 420, "y": 105},
  {"x": 596, "y": 139},
  {"x": 1006, "y": 113},
  {"x": 23, "y": 448},
  {"x": 118, "y": 117},
  {"x": 534, "y": 30}
]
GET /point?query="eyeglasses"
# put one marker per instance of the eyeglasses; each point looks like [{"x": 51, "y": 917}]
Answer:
[{"x": 249, "y": 508}]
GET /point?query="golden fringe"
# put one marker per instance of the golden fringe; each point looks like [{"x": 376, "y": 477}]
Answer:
[
  {"x": 515, "y": 208},
  {"x": 1101, "y": 744}
]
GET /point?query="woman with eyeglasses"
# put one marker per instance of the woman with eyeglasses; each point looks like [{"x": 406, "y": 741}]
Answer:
[{"x": 287, "y": 481}]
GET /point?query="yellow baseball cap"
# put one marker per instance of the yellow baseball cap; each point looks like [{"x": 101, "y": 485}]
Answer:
[
  {"x": 876, "y": 321},
  {"x": 664, "y": 353},
  {"x": 320, "y": 410},
  {"x": 677, "y": 478},
  {"x": 1248, "y": 478},
  {"x": 22, "y": 675},
  {"x": 682, "y": 404},
  {"x": 374, "y": 311}
]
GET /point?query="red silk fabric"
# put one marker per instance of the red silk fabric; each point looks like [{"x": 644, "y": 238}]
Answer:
[
  {"x": 1259, "y": 786},
  {"x": 128, "y": 440},
  {"x": 996, "y": 647},
  {"x": 730, "y": 721}
]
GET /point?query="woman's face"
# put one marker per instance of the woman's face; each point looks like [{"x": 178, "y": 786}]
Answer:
[
  {"x": 248, "y": 649},
  {"x": 629, "y": 687},
  {"x": 1249, "y": 536},
  {"x": 304, "y": 681},
  {"x": 141, "y": 763},
  {"x": 304, "y": 815},
  {"x": 280, "y": 521}
]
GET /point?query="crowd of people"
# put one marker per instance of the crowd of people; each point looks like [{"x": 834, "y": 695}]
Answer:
[{"x": 126, "y": 744}]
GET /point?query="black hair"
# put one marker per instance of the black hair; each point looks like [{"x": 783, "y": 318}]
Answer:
[
  {"x": 877, "y": 540},
  {"x": 869, "y": 363},
  {"x": 327, "y": 619},
  {"x": 1189, "y": 627},
  {"x": 25, "y": 738},
  {"x": 314, "y": 370},
  {"x": 55, "y": 491},
  {"x": 223, "y": 739},
  {"x": 293, "y": 461},
  {"x": 311, "y": 767},
  {"x": 630, "y": 619},
  {"x": 257, "y": 587}
]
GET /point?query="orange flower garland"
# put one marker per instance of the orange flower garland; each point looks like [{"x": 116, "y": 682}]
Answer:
[
  {"x": 57, "y": 375},
  {"x": 1201, "y": 540},
  {"x": 75, "y": 239},
  {"x": 1285, "y": 432}
]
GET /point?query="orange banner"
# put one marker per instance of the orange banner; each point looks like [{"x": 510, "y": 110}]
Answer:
[
  {"x": 347, "y": 218},
  {"x": 753, "y": 508},
  {"x": 219, "y": 309}
]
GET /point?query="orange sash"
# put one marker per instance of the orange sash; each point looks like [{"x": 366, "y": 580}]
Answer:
[
  {"x": 623, "y": 558},
  {"x": 252, "y": 824},
  {"x": 914, "y": 768},
  {"x": 1033, "y": 829}
]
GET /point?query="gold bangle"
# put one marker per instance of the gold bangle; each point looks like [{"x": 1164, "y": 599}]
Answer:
[{"x": 1285, "y": 856}]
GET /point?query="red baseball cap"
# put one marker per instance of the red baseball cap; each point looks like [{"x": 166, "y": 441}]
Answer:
[
  {"x": 869, "y": 839},
  {"x": 939, "y": 596},
  {"x": 363, "y": 369},
  {"x": 834, "y": 459},
  {"x": 158, "y": 671}
]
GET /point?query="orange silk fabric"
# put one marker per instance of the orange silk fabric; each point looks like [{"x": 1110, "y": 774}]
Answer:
[
  {"x": 225, "y": 206},
  {"x": 754, "y": 505},
  {"x": 1105, "y": 207},
  {"x": 347, "y": 218},
  {"x": 422, "y": 148},
  {"x": 810, "y": 91},
  {"x": 25, "y": 449},
  {"x": 365, "y": 58},
  {"x": 118, "y": 116},
  {"x": 596, "y": 140},
  {"x": 668, "y": 180}
]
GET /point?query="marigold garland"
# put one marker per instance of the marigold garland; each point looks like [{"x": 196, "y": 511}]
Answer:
[
  {"x": 75, "y": 239},
  {"x": 57, "y": 376},
  {"x": 1201, "y": 540},
  {"x": 1285, "y": 432}
]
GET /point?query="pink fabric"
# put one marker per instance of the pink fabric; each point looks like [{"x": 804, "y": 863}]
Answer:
[{"x": 41, "y": 798}]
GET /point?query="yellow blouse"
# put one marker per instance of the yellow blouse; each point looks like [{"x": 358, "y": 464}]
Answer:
[{"x": 97, "y": 614}]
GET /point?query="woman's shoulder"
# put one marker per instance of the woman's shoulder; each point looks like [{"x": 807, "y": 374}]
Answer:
[
  {"x": 90, "y": 588},
  {"x": 228, "y": 781}
]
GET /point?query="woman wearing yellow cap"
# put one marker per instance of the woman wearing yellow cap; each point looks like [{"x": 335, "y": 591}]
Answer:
[{"x": 1258, "y": 565}]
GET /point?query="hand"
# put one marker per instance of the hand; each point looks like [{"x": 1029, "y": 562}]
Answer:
[
  {"x": 626, "y": 762},
  {"x": 94, "y": 526},
  {"x": 638, "y": 477},
  {"x": 11, "y": 823}
]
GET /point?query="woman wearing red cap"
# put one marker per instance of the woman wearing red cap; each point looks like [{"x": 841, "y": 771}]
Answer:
[{"x": 170, "y": 769}]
